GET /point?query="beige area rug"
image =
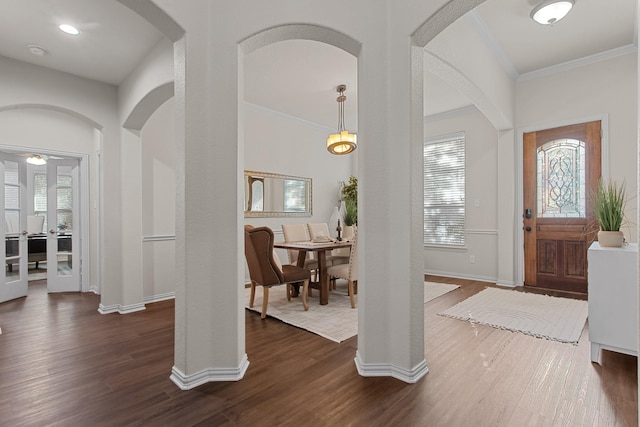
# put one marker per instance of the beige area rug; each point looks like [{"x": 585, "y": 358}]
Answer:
[
  {"x": 433, "y": 290},
  {"x": 336, "y": 321},
  {"x": 541, "y": 316}
]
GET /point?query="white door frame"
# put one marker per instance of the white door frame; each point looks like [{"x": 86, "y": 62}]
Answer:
[{"x": 85, "y": 208}]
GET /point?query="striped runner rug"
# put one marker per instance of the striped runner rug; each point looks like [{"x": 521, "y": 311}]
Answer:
[{"x": 541, "y": 316}]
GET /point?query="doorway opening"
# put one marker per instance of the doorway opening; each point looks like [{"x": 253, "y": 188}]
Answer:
[
  {"x": 561, "y": 168},
  {"x": 43, "y": 230}
]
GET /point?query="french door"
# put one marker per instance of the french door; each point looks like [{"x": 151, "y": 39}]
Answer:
[
  {"x": 561, "y": 169},
  {"x": 13, "y": 201},
  {"x": 63, "y": 226}
]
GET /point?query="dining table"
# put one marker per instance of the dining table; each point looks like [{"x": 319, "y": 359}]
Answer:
[{"x": 321, "y": 249}]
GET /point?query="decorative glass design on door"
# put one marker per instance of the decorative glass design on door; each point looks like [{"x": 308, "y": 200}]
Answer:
[{"x": 561, "y": 179}]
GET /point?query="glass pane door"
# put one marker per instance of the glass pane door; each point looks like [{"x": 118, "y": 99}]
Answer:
[
  {"x": 62, "y": 225},
  {"x": 13, "y": 200}
]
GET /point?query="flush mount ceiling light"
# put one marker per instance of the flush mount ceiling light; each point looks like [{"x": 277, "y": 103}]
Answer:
[
  {"x": 342, "y": 142},
  {"x": 550, "y": 12},
  {"x": 69, "y": 29},
  {"x": 37, "y": 160}
]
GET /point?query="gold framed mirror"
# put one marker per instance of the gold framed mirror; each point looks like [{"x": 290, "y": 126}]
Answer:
[{"x": 275, "y": 195}]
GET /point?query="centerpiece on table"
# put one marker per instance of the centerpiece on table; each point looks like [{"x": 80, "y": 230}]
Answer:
[{"x": 350, "y": 197}]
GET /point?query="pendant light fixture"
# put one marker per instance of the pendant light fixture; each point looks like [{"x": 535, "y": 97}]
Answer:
[
  {"x": 342, "y": 142},
  {"x": 549, "y": 12}
]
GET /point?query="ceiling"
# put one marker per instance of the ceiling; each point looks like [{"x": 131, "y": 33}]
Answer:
[
  {"x": 298, "y": 78},
  {"x": 112, "y": 40}
]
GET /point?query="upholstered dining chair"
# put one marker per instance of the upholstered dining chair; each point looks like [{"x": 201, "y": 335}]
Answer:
[
  {"x": 348, "y": 271},
  {"x": 265, "y": 269},
  {"x": 298, "y": 233}
]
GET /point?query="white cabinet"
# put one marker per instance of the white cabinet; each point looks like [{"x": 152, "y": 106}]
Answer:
[{"x": 613, "y": 299}]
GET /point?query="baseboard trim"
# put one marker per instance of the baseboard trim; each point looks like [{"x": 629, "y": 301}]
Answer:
[
  {"x": 121, "y": 309},
  {"x": 188, "y": 382},
  {"x": 159, "y": 297},
  {"x": 387, "y": 370},
  {"x": 507, "y": 284},
  {"x": 461, "y": 276}
]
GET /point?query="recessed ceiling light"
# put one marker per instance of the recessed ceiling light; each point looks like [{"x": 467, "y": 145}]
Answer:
[
  {"x": 69, "y": 29},
  {"x": 37, "y": 50}
]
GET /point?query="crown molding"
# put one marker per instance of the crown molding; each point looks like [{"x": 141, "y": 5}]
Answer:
[{"x": 577, "y": 63}]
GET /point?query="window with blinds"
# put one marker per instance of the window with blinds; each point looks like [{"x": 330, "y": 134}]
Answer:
[
  {"x": 64, "y": 200},
  {"x": 64, "y": 204},
  {"x": 444, "y": 191},
  {"x": 11, "y": 198}
]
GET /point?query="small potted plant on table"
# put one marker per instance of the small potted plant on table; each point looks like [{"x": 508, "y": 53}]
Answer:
[
  {"x": 350, "y": 197},
  {"x": 608, "y": 206}
]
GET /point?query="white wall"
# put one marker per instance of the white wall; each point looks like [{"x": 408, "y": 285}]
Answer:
[
  {"x": 158, "y": 204},
  {"x": 266, "y": 150},
  {"x": 283, "y": 144},
  {"x": 53, "y": 110},
  {"x": 481, "y": 140},
  {"x": 61, "y": 133},
  {"x": 460, "y": 56},
  {"x": 604, "y": 89}
]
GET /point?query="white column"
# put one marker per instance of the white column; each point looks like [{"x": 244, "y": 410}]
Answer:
[
  {"x": 507, "y": 216},
  {"x": 131, "y": 214},
  {"x": 391, "y": 302},
  {"x": 209, "y": 328}
]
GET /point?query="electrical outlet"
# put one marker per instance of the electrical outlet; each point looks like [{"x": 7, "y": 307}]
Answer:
[{"x": 472, "y": 259}]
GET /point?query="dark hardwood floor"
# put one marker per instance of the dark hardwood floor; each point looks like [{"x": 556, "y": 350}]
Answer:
[{"x": 64, "y": 364}]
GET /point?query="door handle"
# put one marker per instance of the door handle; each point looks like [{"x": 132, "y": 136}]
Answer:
[
  {"x": 528, "y": 229},
  {"x": 52, "y": 231}
]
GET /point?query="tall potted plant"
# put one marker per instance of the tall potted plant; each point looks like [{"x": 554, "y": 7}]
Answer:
[
  {"x": 608, "y": 207},
  {"x": 350, "y": 197}
]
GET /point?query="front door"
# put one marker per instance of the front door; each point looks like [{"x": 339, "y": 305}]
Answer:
[{"x": 561, "y": 169}]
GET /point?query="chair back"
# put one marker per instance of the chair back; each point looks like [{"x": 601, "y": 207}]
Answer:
[
  {"x": 318, "y": 230},
  {"x": 295, "y": 233},
  {"x": 258, "y": 250}
]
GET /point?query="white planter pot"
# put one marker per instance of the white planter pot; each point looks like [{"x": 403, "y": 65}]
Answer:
[
  {"x": 611, "y": 239},
  {"x": 347, "y": 232}
]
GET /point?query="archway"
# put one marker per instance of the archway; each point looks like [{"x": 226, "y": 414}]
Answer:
[{"x": 60, "y": 133}]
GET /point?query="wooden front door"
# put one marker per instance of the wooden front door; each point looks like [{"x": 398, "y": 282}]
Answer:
[{"x": 561, "y": 169}]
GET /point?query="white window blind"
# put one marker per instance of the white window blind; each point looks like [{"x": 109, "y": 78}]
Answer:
[
  {"x": 444, "y": 191},
  {"x": 64, "y": 203}
]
